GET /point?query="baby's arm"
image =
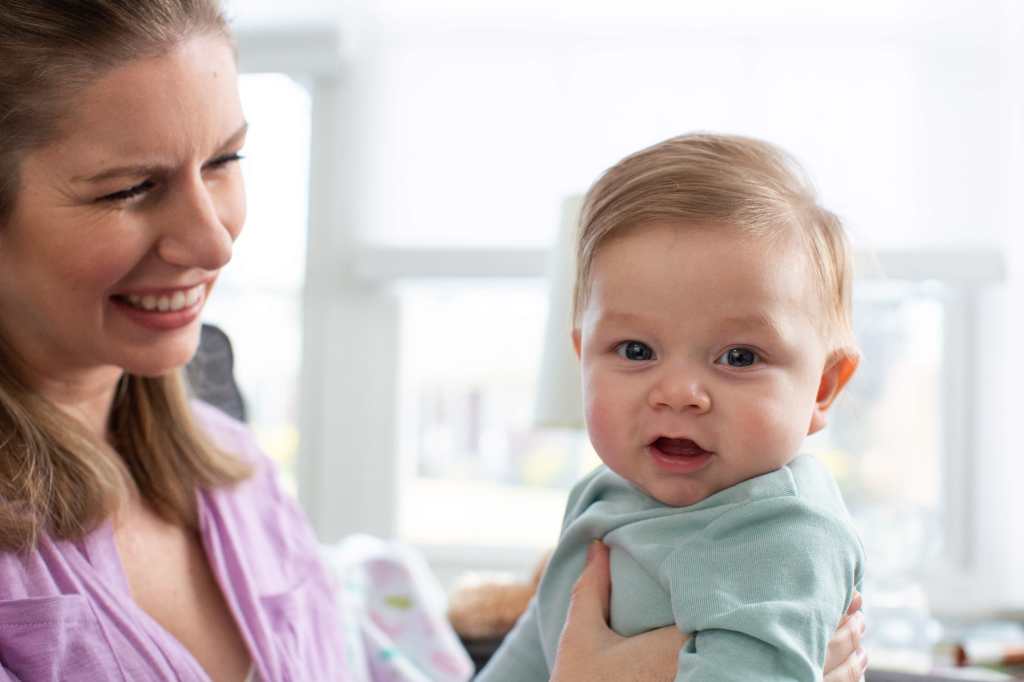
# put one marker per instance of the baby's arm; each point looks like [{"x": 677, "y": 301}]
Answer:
[{"x": 762, "y": 591}]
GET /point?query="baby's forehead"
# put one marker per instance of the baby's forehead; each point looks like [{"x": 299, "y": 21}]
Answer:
[
  {"x": 671, "y": 240},
  {"x": 720, "y": 271}
]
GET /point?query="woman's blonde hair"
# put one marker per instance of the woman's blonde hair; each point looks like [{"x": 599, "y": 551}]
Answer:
[
  {"x": 725, "y": 180},
  {"x": 55, "y": 476}
]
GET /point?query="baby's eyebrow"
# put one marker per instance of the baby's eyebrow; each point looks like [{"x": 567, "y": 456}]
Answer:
[
  {"x": 757, "y": 321},
  {"x": 619, "y": 316}
]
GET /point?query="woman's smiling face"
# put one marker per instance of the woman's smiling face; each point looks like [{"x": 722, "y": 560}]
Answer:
[{"x": 122, "y": 223}]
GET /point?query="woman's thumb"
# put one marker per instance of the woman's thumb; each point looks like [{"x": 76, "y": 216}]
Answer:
[{"x": 592, "y": 591}]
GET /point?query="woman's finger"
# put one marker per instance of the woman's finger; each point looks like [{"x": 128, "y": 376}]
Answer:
[
  {"x": 856, "y": 604},
  {"x": 838, "y": 651},
  {"x": 591, "y": 593},
  {"x": 844, "y": 654},
  {"x": 851, "y": 670},
  {"x": 586, "y": 637},
  {"x": 655, "y": 653}
]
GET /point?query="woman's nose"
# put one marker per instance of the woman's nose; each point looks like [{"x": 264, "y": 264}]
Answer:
[
  {"x": 680, "y": 393},
  {"x": 195, "y": 234}
]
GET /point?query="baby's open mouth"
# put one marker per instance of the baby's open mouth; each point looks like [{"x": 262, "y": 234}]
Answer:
[{"x": 678, "y": 447}]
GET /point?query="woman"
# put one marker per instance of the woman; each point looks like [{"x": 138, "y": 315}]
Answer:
[{"x": 144, "y": 537}]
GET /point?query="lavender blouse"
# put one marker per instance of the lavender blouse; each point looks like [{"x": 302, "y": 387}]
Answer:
[{"x": 66, "y": 612}]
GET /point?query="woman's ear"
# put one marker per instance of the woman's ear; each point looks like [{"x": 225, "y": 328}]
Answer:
[{"x": 841, "y": 367}]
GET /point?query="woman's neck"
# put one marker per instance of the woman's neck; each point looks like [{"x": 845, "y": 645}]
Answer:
[{"x": 87, "y": 398}]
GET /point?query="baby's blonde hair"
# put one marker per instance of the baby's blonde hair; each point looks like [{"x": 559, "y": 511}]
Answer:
[{"x": 726, "y": 180}]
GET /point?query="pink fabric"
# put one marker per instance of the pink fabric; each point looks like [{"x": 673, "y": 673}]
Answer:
[{"x": 66, "y": 612}]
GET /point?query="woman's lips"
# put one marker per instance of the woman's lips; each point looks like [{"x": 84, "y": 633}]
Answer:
[
  {"x": 167, "y": 313},
  {"x": 678, "y": 455}
]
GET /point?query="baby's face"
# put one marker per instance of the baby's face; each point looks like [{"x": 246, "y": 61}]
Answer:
[{"x": 701, "y": 357}]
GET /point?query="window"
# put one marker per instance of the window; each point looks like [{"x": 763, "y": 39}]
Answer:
[
  {"x": 471, "y": 359},
  {"x": 445, "y": 140},
  {"x": 259, "y": 295},
  {"x": 886, "y": 442}
]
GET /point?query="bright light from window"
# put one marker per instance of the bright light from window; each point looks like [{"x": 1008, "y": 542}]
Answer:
[{"x": 258, "y": 297}]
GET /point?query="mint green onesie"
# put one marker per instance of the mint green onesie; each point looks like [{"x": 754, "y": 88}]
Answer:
[{"x": 759, "y": 573}]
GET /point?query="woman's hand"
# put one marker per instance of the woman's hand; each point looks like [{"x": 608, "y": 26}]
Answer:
[
  {"x": 589, "y": 651},
  {"x": 845, "y": 660}
]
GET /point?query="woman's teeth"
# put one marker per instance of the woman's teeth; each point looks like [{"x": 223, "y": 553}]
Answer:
[{"x": 171, "y": 303}]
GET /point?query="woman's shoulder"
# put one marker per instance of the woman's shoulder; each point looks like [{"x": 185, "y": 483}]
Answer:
[
  {"x": 235, "y": 439},
  {"x": 257, "y": 511},
  {"x": 41, "y": 572},
  {"x": 225, "y": 431}
]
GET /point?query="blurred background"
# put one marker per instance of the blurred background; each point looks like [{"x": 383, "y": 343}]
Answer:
[{"x": 410, "y": 168}]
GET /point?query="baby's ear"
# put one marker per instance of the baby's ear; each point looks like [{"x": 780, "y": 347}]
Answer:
[
  {"x": 576, "y": 341},
  {"x": 838, "y": 371}
]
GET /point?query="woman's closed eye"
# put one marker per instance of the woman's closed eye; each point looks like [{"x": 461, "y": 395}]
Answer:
[
  {"x": 224, "y": 160},
  {"x": 636, "y": 351},
  {"x": 147, "y": 185},
  {"x": 738, "y": 357},
  {"x": 127, "y": 194}
]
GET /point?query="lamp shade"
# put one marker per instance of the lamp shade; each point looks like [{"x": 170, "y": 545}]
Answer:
[{"x": 559, "y": 401}]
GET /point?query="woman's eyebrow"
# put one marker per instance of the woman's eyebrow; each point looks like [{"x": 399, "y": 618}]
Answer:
[
  {"x": 144, "y": 169},
  {"x": 235, "y": 137},
  {"x": 129, "y": 171}
]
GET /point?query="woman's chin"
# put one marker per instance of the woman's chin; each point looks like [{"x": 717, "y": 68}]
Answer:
[{"x": 159, "y": 361}]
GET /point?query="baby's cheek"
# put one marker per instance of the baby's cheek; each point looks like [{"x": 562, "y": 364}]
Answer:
[
  {"x": 601, "y": 426},
  {"x": 595, "y": 415},
  {"x": 773, "y": 434}
]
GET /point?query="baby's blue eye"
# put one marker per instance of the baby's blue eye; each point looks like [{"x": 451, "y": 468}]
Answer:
[
  {"x": 738, "y": 357},
  {"x": 635, "y": 350}
]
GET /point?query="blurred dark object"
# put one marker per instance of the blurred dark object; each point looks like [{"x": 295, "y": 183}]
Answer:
[
  {"x": 1001, "y": 654},
  {"x": 211, "y": 375},
  {"x": 480, "y": 650}
]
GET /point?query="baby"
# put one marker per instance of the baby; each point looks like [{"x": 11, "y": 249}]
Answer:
[{"x": 712, "y": 321}]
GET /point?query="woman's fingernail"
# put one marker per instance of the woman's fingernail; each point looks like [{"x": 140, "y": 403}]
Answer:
[{"x": 861, "y": 623}]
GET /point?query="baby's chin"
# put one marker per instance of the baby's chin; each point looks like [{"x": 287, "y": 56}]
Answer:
[
  {"x": 681, "y": 494},
  {"x": 688, "y": 491}
]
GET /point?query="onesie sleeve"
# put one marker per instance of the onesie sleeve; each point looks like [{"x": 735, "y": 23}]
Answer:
[
  {"x": 761, "y": 590},
  {"x": 520, "y": 657}
]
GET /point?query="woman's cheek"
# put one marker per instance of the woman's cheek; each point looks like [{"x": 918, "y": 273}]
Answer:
[
  {"x": 231, "y": 206},
  {"x": 96, "y": 266}
]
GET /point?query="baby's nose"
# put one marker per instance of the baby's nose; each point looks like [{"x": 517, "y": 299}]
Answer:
[{"x": 680, "y": 394}]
